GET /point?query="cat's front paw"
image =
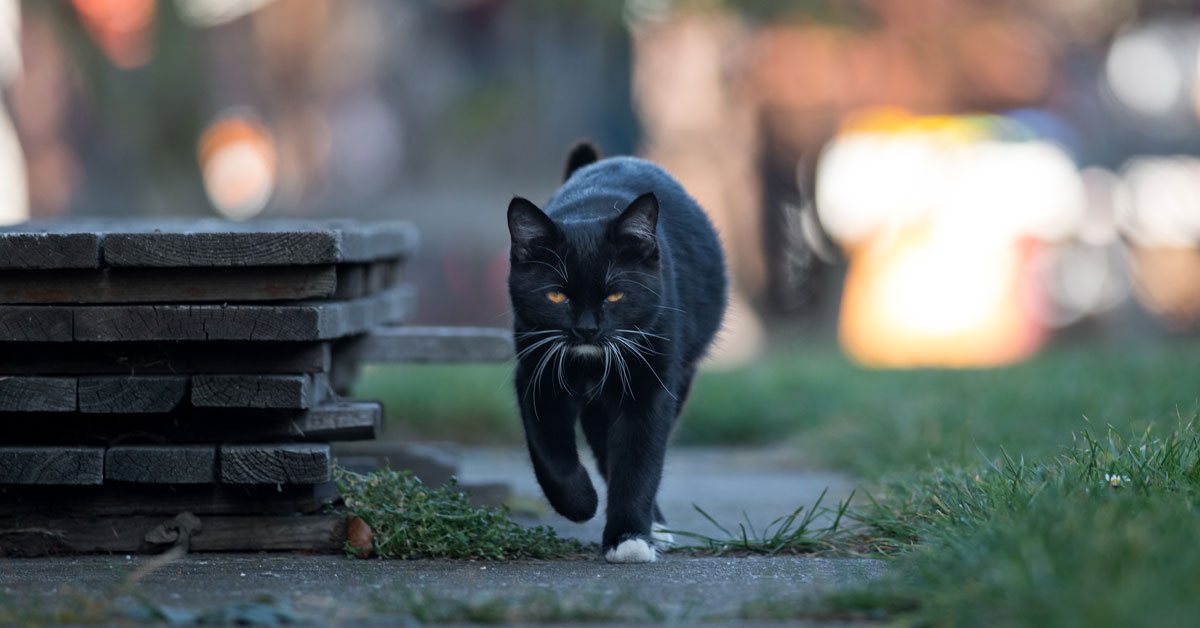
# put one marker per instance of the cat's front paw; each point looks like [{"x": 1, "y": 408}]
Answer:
[{"x": 631, "y": 550}]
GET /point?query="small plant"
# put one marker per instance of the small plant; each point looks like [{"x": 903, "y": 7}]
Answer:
[
  {"x": 795, "y": 533},
  {"x": 412, "y": 520}
]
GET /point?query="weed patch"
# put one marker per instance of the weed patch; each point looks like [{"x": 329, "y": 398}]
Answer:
[{"x": 412, "y": 520}]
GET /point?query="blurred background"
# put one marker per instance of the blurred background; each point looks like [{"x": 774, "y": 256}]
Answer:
[{"x": 932, "y": 183}]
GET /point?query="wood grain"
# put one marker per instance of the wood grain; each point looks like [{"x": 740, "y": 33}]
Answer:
[
  {"x": 30, "y": 248},
  {"x": 306, "y": 321},
  {"x": 161, "y": 464},
  {"x": 291, "y": 392},
  {"x": 258, "y": 243},
  {"x": 275, "y": 464},
  {"x": 51, "y": 465},
  {"x": 120, "y": 394},
  {"x": 35, "y": 324},
  {"x": 176, "y": 285},
  {"x": 37, "y": 394}
]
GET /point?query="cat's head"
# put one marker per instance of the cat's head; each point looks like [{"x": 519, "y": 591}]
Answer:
[{"x": 591, "y": 281}]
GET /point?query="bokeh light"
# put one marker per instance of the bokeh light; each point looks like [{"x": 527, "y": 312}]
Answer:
[
  {"x": 123, "y": 29},
  {"x": 941, "y": 219},
  {"x": 237, "y": 159}
]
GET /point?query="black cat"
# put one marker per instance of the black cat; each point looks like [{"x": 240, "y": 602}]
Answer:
[{"x": 617, "y": 290}]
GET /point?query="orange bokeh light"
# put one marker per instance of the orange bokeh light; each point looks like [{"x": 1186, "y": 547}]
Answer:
[
  {"x": 238, "y": 161},
  {"x": 123, "y": 29}
]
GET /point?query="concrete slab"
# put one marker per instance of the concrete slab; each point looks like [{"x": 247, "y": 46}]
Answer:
[
  {"x": 336, "y": 590},
  {"x": 762, "y": 483}
]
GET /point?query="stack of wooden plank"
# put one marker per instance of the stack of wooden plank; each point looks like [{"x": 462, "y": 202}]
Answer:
[{"x": 150, "y": 370}]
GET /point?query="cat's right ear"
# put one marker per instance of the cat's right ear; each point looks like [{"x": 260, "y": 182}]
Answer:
[
  {"x": 528, "y": 226},
  {"x": 582, "y": 153}
]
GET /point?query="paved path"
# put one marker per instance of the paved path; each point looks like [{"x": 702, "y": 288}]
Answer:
[
  {"x": 334, "y": 590},
  {"x": 764, "y": 484}
]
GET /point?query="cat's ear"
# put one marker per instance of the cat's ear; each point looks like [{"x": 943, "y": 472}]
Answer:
[
  {"x": 581, "y": 154},
  {"x": 636, "y": 229},
  {"x": 528, "y": 226}
]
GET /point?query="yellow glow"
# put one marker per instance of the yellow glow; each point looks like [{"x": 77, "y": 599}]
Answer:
[
  {"x": 913, "y": 298},
  {"x": 614, "y": 297},
  {"x": 556, "y": 297},
  {"x": 940, "y": 219}
]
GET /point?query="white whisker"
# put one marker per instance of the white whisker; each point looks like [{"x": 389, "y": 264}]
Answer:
[
  {"x": 644, "y": 333},
  {"x": 527, "y": 350},
  {"x": 629, "y": 344}
]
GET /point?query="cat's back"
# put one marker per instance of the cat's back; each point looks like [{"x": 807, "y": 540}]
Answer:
[{"x": 604, "y": 188}]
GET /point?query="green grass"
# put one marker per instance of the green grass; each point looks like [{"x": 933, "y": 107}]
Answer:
[
  {"x": 794, "y": 533},
  {"x": 1103, "y": 534},
  {"x": 841, "y": 416}
]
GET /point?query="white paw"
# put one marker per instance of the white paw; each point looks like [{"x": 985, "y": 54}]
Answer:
[
  {"x": 659, "y": 533},
  {"x": 631, "y": 551}
]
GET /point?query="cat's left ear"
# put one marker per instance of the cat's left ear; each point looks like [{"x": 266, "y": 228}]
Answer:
[
  {"x": 636, "y": 228},
  {"x": 527, "y": 226}
]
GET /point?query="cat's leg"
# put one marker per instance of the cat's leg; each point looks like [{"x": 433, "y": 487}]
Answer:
[
  {"x": 637, "y": 443},
  {"x": 550, "y": 435},
  {"x": 658, "y": 530},
  {"x": 595, "y": 420}
]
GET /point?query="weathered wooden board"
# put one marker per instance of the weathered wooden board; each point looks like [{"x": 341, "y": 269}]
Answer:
[
  {"x": 37, "y": 394},
  {"x": 25, "y": 246},
  {"x": 161, "y": 464},
  {"x": 330, "y": 421},
  {"x": 121, "y": 393},
  {"x": 41, "y": 535},
  {"x": 150, "y": 358},
  {"x": 175, "y": 285},
  {"x": 338, "y": 420},
  {"x": 120, "y": 498},
  {"x": 52, "y": 465},
  {"x": 287, "y": 392},
  {"x": 35, "y": 324},
  {"x": 436, "y": 344},
  {"x": 259, "y": 243},
  {"x": 275, "y": 464},
  {"x": 194, "y": 243},
  {"x": 299, "y": 322},
  {"x": 351, "y": 281}
]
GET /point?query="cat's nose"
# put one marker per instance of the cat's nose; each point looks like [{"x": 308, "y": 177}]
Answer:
[{"x": 586, "y": 334}]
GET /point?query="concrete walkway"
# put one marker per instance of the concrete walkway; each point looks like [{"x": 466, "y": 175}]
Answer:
[
  {"x": 338, "y": 591},
  {"x": 731, "y": 485}
]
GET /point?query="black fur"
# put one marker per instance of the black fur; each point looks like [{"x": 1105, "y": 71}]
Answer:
[
  {"x": 619, "y": 225},
  {"x": 581, "y": 154}
]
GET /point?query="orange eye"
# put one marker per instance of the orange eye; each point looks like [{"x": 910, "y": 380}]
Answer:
[
  {"x": 614, "y": 297},
  {"x": 556, "y": 297}
]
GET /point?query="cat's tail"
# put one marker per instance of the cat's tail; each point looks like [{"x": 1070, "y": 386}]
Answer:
[{"x": 581, "y": 154}]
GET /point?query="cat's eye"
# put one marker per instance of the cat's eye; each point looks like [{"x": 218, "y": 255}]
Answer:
[
  {"x": 556, "y": 297},
  {"x": 614, "y": 297}
]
